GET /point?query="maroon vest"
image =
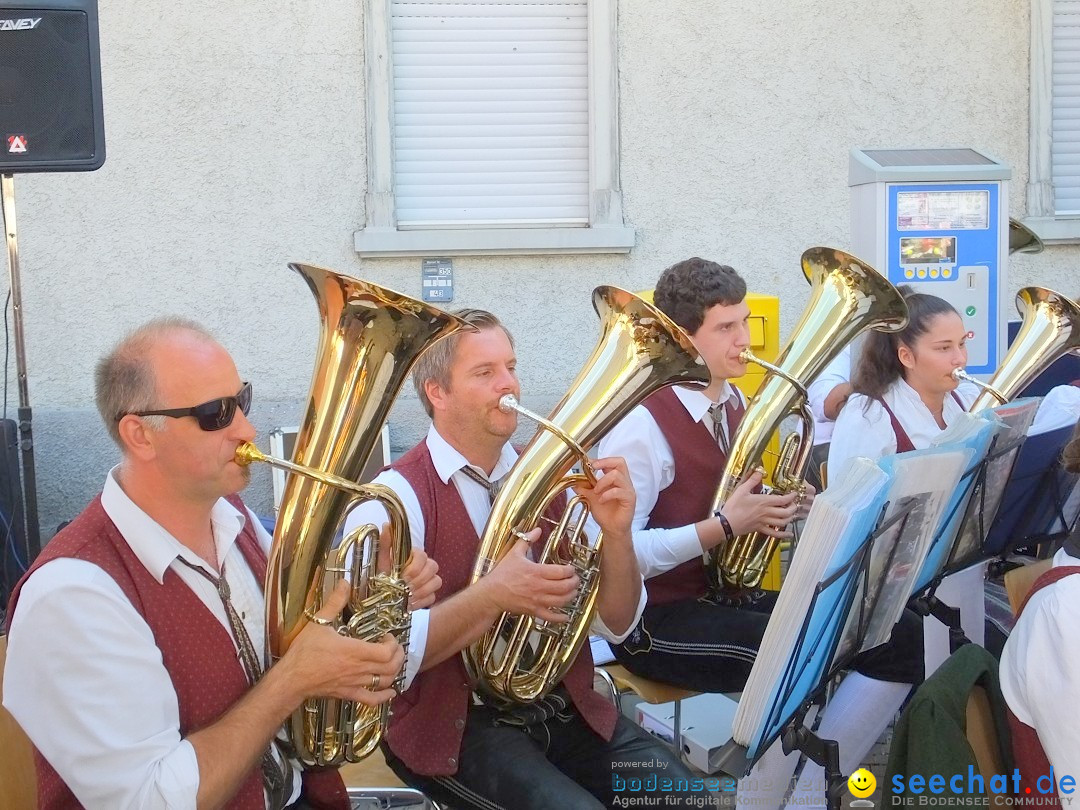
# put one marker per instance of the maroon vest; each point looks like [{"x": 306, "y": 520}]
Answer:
[
  {"x": 429, "y": 717},
  {"x": 1031, "y": 759},
  {"x": 699, "y": 464},
  {"x": 196, "y": 649},
  {"x": 903, "y": 441}
]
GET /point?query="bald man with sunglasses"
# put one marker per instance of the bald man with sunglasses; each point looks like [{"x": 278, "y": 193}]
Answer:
[{"x": 136, "y": 658}]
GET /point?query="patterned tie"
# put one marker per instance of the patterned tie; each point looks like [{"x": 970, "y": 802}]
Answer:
[
  {"x": 719, "y": 414},
  {"x": 492, "y": 487},
  {"x": 277, "y": 773}
]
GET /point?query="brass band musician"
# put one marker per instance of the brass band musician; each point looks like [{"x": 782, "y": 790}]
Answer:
[
  {"x": 674, "y": 445},
  {"x": 447, "y": 737},
  {"x": 136, "y": 660}
]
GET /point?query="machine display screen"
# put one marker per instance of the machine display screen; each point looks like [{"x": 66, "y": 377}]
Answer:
[
  {"x": 927, "y": 250},
  {"x": 942, "y": 210}
]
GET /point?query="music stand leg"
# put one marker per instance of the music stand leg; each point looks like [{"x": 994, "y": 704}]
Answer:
[
  {"x": 825, "y": 753},
  {"x": 26, "y": 434},
  {"x": 950, "y": 617}
]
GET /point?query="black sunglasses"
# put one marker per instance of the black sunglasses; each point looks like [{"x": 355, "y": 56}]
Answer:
[{"x": 213, "y": 415}]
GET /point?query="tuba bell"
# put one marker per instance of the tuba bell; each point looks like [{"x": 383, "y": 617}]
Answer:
[
  {"x": 1050, "y": 329},
  {"x": 370, "y": 337},
  {"x": 847, "y": 297},
  {"x": 1022, "y": 239},
  {"x": 520, "y": 658}
]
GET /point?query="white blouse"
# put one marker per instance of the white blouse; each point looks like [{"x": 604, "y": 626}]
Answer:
[{"x": 863, "y": 427}]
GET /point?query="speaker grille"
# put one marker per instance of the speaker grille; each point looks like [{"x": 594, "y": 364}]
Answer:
[{"x": 47, "y": 93}]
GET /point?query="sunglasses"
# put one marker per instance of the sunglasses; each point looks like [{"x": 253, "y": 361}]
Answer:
[{"x": 213, "y": 415}]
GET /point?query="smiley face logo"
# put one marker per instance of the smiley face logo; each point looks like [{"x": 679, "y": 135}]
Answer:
[{"x": 861, "y": 783}]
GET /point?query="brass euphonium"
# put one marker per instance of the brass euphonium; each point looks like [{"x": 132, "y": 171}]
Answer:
[
  {"x": 370, "y": 337},
  {"x": 1050, "y": 328},
  {"x": 640, "y": 351},
  {"x": 847, "y": 297}
]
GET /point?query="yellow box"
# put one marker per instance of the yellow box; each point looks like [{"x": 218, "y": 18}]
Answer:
[{"x": 764, "y": 343}]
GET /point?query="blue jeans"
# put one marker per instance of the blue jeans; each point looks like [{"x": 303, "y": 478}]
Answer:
[{"x": 560, "y": 763}]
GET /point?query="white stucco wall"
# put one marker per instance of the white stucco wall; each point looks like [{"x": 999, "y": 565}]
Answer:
[{"x": 236, "y": 135}]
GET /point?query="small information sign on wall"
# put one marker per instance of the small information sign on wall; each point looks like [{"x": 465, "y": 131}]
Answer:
[{"x": 437, "y": 280}]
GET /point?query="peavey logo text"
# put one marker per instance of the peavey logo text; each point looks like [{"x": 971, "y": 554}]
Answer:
[{"x": 25, "y": 24}]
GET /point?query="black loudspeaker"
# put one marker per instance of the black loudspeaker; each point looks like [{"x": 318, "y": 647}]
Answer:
[{"x": 50, "y": 87}]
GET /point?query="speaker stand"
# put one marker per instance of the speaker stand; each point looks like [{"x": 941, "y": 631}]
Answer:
[{"x": 26, "y": 432}]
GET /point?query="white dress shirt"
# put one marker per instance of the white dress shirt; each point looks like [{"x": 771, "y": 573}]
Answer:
[
  {"x": 651, "y": 462},
  {"x": 863, "y": 427},
  {"x": 84, "y": 676},
  {"x": 836, "y": 373},
  {"x": 1040, "y": 668},
  {"x": 449, "y": 464}
]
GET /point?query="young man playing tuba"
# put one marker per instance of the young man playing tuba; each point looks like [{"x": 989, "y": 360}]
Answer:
[{"x": 675, "y": 445}]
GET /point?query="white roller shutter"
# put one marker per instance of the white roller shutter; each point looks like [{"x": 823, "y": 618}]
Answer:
[
  {"x": 1065, "y": 149},
  {"x": 491, "y": 113}
]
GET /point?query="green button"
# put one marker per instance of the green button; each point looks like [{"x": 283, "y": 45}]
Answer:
[{"x": 970, "y": 311}]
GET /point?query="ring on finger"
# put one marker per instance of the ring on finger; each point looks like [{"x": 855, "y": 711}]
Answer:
[
  {"x": 319, "y": 619},
  {"x": 375, "y": 681}
]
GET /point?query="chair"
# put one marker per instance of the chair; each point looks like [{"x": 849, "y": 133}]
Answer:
[
  {"x": 18, "y": 784},
  {"x": 373, "y": 786},
  {"x": 960, "y": 707},
  {"x": 619, "y": 679},
  {"x": 1018, "y": 581}
]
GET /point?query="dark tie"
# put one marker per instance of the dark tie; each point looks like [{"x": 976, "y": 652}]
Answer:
[
  {"x": 277, "y": 774},
  {"x": 718, "y": 412},
  {"x": 492, "y": 487}
]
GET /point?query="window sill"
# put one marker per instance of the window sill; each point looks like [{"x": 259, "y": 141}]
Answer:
[
  {"x": 385, "y": 242},
  {"x": 1056, "y": 230}
]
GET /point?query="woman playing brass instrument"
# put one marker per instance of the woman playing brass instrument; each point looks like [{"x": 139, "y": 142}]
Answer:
[{"x": 905, "y": 393}]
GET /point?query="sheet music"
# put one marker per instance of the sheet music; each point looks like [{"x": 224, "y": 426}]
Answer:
[
  {"x": 811, "y": 611},
  {"x": 1014, "y": 420},
  {"x": 923, "y": 480},
  {"x": 976, "y": 434},
  {"x": 840, "y": 519}
]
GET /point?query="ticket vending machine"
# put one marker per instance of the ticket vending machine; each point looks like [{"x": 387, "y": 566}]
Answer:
[{"x": 937, "y": 220}]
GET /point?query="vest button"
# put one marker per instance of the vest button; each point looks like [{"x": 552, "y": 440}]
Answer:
[
  {"x": 452, "y": 762},
  {"x": 459, "y": 724}
]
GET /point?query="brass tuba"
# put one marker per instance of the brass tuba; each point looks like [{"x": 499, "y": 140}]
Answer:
[
  {"x": 640, "y": 351},
  {"x": 1051, "y": 328},
  {"x": 1022, "y": 239},
  {"x": 847, "y": 297},
  {"x": 369, "y": 339}
]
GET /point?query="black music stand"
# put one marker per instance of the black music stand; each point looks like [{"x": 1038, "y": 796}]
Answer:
[
  {"x": 789, "y": 724},
  {"x": 1035, "y": 508}
]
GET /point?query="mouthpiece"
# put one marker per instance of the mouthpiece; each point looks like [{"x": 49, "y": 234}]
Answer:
[
  {"x": 508, "y": 403},
  {"x": 960, "y": 375},
  {"x": 246, "y": 453}
]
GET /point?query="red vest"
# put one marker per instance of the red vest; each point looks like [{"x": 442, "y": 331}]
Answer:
[
  {"x": 429, "y": 717},
  {"x": 1031, "y": 759},
  {"x": 699, "y": 464},
  {"x": 903, "y": 441},
  {"x": 196, "y": 649}
]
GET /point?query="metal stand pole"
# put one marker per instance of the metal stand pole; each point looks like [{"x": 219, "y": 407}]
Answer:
[{"x": 26, "y": 434}]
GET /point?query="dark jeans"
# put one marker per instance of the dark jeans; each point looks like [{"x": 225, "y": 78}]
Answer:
[
  {"x": 560, "y": 763},
  {"x": 700, "y": 645}
]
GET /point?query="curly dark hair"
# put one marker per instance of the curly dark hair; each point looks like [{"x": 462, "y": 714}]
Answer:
[
  {"x": 879, "y": 364},
  {"x": 688, "y": 289}
]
